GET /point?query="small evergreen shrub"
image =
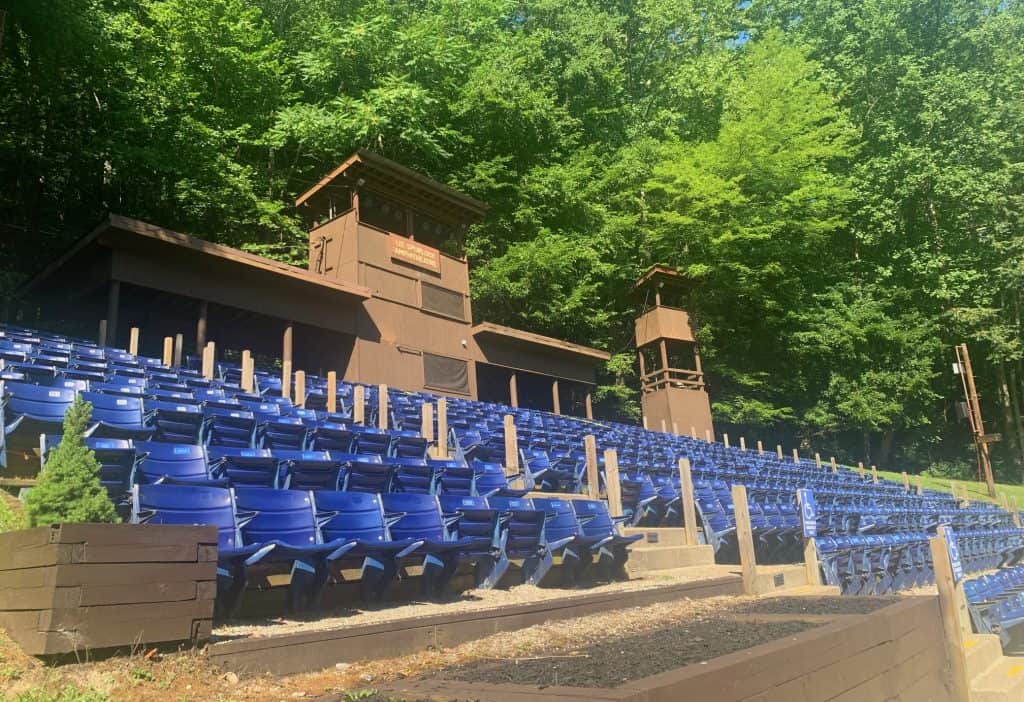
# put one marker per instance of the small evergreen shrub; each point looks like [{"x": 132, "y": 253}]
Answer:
[
  {"x": 69, "y": 489},
  {"x": 11, "y": 517}
]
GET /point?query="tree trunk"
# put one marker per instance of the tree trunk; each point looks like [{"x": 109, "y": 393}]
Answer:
[
  {"x": 1018, "y": 415},
  {"x": 867, "y": 447},
  {"x": 885, "y": 449},
  {"x": 1009, "y": 427}
]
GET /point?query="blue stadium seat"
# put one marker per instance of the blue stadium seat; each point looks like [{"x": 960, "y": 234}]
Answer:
[
  {"x": 117, "y": 417},
  {"x": 31, "y": 410},
  {"x": 244, "y": 466},
  {"x": 175, "y": 422},
  {"x": 166, "y": 462}
]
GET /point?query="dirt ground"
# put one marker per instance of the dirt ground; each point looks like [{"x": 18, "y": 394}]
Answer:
[{"x": 814, "y": 605}]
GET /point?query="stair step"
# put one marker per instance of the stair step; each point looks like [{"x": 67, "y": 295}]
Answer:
[
  {"x": 982, "y": 651},
  {"x": 645, "y": 558},
  {"x": 657, "y": 536},
  {"x": 1003, "y": 682},
  {"x": 784, "y": 577}
]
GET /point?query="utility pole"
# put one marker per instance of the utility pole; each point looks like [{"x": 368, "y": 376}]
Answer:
[{"x": 981, "y": 440}]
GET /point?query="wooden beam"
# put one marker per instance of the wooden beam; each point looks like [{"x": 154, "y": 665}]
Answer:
[
  {"x": 796, "y": 456},
  {"x": 359, "y": 405},
  {"x": 920, "y": 484},
  {"x": 835, "y": 468},
  {"x": 588, "y": 403},
  {"x": 427, "y": 422},
  {"x": 675, "y": 429},
  {"x": 168, "y": 351},
  {"x": 689, "y": 503},
  {"x": 101, "y": 333},
  {"x": 613, "y": 488},
  {"x": 593, "y": 477},
  {"x": 708, "y": 437},
  {"x": 874, "y": 474},
  {"x": 286, "y": 361},
  {"x": 513, "y": 390},
  {"x": 860, "y": 469},
  {"x": 204, "y": 310},
  {"x": 906, "y": 482},
  {"x": 247, "y": 378},
  {"x": 133, "y": 341},
  {"x": 179, "y": 348},
  {"x": 952, "y": 608},
  {"x": 643, "y": 420},
  {"x": 693, "y": 433},
  {"x": 300, "y": 389},
  {"x": 556, "y": 402},
  {"x": 511, "y": 446},
  {"x": 382, "y": 406},
  {"x": 745, "y": 537},
  {"x": 332, "y": 391},
  {"x": 778, "y": 450},
  {"x": 664, "y": 427},
  {"x": 209, "y": 360},
  {"x": 760, "y": 448},
  {"x": 1003, "y": 502},
  {"x": 725, "y": 440},
  {"x": 743, "y": 443},
  {"x": 442, "y": 427}
]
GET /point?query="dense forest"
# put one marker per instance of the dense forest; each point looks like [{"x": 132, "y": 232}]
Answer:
[{"x": 842, "y": 179}]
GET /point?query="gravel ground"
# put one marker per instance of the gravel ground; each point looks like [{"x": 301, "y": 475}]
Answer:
[
  {"x": 473, "y": 601},
  {"x": 615, "y": 660},
  {"x": 815, "y": 605}
]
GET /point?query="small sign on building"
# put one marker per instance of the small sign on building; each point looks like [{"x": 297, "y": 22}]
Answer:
[
  {"x": 954, "y": 554},
  {"x": 414, "y": 253},
  {"x": 808, "y": 513}
]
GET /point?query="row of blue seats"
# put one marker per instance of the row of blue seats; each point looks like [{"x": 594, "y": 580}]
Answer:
[
  {"x": 317, "y": 535},
  {"x": 996, "y": 602}
]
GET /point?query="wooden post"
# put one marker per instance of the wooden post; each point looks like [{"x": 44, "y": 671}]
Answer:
[
  {"x": 906, "y": 482},
  {"x": 511, "y": 446},
  {"x": 1003, "y": 502},
  {"x": 874, "y": 474},
  {"x": 588, "y": 403},
  {"x": 101, "y": 333},
  {"x": 133, "y": 341},
  {"x": 382, "y": 406},
  {"x": 300, "y": 389},
  {"x": 817, "y": 461},
  {"x": 513, "y": 390},
  {"x": 593, "y": 477},
  {"x": 796, "y": 456},
  {"x": 209, "y": 359},
  {"x": 760, "y": 448},
  {"x": 204, "y": 309},
  {"x": 860, "y": 469},
  {"x": 778, "y": 450},
  {"x": 693, "y": 433},
  {"x": 745, "y": 537},
  {"x": 286, "y": 361},
  {"x": 835, "y": 468},
  {"x": 613, "y": 488},
  {"x": 359, "y": 405},
  {"x": 332, "y": 391},
  {"x": 664, "y": 427},
  {"x": 643, "y": 420},
  {"x": 689, "y": 505},
  {"x": 247, "y": 371},
  {"x": 811, "y": 567},
  {"x": 442, "y": 427},
  {"x": 743, "y": 443},
  {"x": 707, "y": 436},
  {"x": 427, "y": 422},
  {"x": 675, "y": 429},
  {"x": 113, "y": 305},
  {"x": 168, "y": 351},
  {"x": 179, "y": 347},
  {"x": 965, "y": 496},
  {"x": 725, "y": 440},
  {"x": 920, "y": 484},
  {"x": 556, "y": 402},
  {"x": 1015, "y": 511},
  {"x": 955, "y": 619}
]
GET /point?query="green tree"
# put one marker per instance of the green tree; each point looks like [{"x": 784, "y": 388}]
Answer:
[{"x": 69, "y": 489}]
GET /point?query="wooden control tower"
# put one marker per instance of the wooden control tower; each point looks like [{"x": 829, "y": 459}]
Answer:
[{"x": 674, "y": 396}]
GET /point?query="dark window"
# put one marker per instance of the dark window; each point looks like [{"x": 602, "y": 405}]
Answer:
[
  {"x": 446, "y": 302},
  {"x": 444, "y": 373},
  {"x": 382, "y": 213},
  {"x": 437, "y": 234}
]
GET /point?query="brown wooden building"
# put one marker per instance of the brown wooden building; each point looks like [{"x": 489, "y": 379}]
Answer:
[{"x": 385, "y": 298}]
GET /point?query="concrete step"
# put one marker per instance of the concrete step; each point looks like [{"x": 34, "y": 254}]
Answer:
[
  {"x": 982, "y": 651},
  {"x": 780, "y": 577},
  {"x": 1002, "y": 682},
  {"x": 644, "y": 558},
  {"x": 657, "y": 536}
]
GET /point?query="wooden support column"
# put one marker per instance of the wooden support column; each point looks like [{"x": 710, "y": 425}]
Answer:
[
  {"x": 1003, "y": 502},
  {"x": 133, "y": 341},
  {"x": 796, "y": 456},
  {"x": 955, "y": 619},
  {"x": 113, "y": 305},
  {"x": 442, "y": 427},
  {"x": 811, "y": 567},
  {"x": 760, "y": 448},
  {"x": 693, "y": 433},
  {"x": 359, "y": 405},
  {"x": 204, "y": 310},
  {"x": 427, "y": 422},
  {"x": 1015, "y": 511},
  {"x": 209, "y": 360},
  {"x": 675, "y": 429},
  {"x": 286, "y": 361},
  {"x": 332, "y": 391},
  {"x": 745, "y": 538},
  {"x": 382, "y": 406},
  {"x": 168, "y": 351},
  {"x": 874, "y": 474},
  {"x": 906, "y": 482},
  {"x": 725, "y": 440},
  {"x": 643, "y": 420},
  {"x": 593, "y": 477},
  {"x": 778, "y": 450},
  {"x": 179, "y": 348},
  {"x": 511, "y": 446},
  {"x": 556, "y": 402},
  {"x": 613, "y": 488},
  {"x": 588, "y": 403},
  {"x": 248, "y": 378},
  {"x": 835, "y": 468},
  {"x": 707, "y": 436},
  {"x": 513, "y": 390},
  {"x": 664, "y": 427},
  {"x": 101, "y": 333},
  {"x": 860, "y": 469},
  {"x": 689, "y": 504},
  {"x": 920, "y": 484},
  {"x": 817, "y": 461},
  {"x": 743, "y": 443},
  {"x": 300, "y": 389}
]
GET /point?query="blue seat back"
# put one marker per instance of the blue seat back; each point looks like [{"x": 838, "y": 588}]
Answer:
[
  {"x": 45, "y": 403},
  {"x": 187, "y": 504},
  {"x": 282, "y": 515},
  {"x": 156, "y": 459},
  {"x": 419, "y": 516},
  {"x": 360, "y": 516},
  {"x": 115, "y": 410},
  {"x": 562, "y": 522}
]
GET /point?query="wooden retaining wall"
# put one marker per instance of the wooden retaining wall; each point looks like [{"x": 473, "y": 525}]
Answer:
[{"x": 72, "y": 588}]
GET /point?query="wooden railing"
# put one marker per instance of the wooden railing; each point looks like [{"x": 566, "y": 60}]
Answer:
[{"x": 672, "y": 377}]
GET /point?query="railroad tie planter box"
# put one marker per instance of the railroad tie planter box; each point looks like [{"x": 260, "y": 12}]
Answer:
[{"x": 73, "y": 588}]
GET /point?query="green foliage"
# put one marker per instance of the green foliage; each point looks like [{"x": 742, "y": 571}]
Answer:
[
  {"x": 843, "y": 181},
  {"x": 11, "y": 518},
  {"x": 68, "y": 693},
  {"x": 69, "y": 489}
]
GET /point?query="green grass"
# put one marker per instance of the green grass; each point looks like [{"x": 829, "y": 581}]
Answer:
[{"x": 975, "y": 491}]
